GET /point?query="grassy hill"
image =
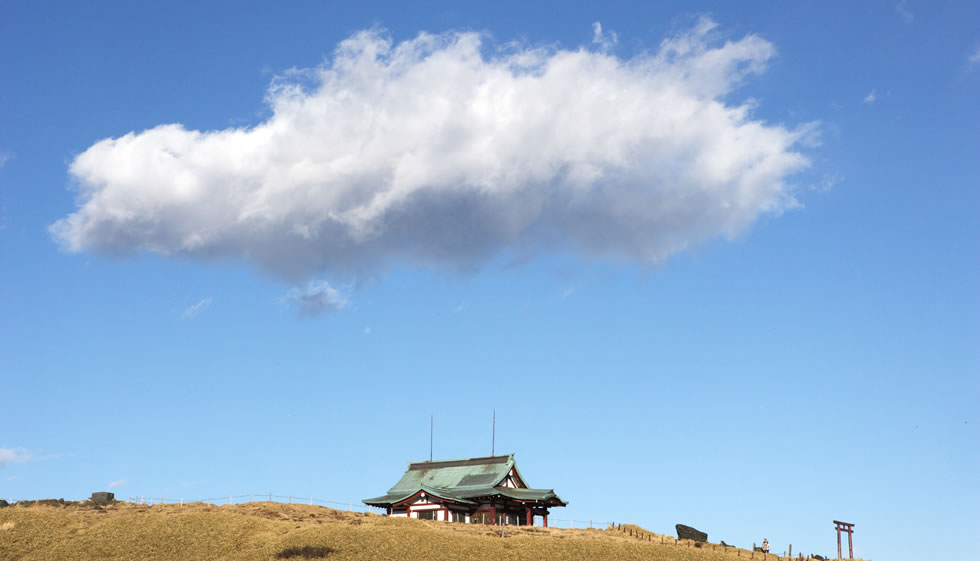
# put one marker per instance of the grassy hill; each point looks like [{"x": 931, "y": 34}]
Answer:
[{"x": 267, "y": 531}]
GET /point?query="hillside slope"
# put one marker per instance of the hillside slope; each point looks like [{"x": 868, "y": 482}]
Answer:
[{"x": 261, "y": 531}]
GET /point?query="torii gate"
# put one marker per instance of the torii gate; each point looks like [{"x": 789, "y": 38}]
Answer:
[{"x": 849, "y": 528}]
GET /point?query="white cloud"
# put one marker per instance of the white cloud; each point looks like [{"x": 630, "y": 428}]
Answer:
[
  {"x": 445, "y": 150},
  {"x": 975, "y": 57},
  {"x": 871, "y": 97},
  {"x": 826, "y": 184},
  {"x": 14, "y": 456},
  {"x": 4, "y": 158},
  {"x": 604, "y": 40},
  {"x": 317, "y": 298},
  {"x": 117, "y": 483},
  {"x": 903, "y": 11},
  {"x": 195, "y": 309},
  {"x": 367, "y": 330}
]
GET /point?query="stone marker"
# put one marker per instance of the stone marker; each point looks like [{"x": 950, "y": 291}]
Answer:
[
  {"x": 689, "y": 533},
  {"x": 103, "y": 498}
]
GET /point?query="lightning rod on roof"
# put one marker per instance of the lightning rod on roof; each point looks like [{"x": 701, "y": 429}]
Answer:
[
  {"x": 493, "y": 433},
  {"x": 431, "y": 424}
]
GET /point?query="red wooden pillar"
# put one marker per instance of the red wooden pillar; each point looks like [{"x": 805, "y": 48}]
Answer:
[
  {"x": 445, "y": 515},
  {"x": 546, "y": 520},
  {"x": 849, "y": 528},
  {"x": 530, "y": 518},
  {"x": 493, "y": 514}
]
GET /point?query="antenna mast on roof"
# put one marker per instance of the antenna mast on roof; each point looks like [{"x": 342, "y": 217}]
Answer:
[
  {"x": 493, "y": 433},
  {"x": 431, "y": 423}
]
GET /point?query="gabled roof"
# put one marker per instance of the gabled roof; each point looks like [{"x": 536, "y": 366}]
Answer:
[
  {"x": 463, "y": 480},
  {"x": 489, "y": 471}
]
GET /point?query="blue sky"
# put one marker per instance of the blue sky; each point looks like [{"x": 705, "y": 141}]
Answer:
[{"x": 711, "y": 264}]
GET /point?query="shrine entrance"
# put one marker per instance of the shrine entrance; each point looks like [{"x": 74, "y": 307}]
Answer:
[{"x": 849, "y": 528}]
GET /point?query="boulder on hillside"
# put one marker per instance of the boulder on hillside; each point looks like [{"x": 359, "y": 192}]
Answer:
[
  {"x": 723, "y": 544},
  {"x": 818, "y": 557},
  {"x": 103, "y": 498},
  {"x": 689, "y": 533},
  {"x": 3, "y": 503}
]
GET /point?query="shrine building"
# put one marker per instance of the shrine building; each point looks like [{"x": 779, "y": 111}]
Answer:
[{"x": 486, "y": 490}]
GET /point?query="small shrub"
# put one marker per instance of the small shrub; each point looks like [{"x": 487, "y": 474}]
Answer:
[{"x": 306, "y": 552}]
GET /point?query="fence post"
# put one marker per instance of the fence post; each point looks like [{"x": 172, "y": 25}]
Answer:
[
  {"x": 351, "y": 507},
  {"x": 270, "y": 497},
  {"x": 311, "y": 500},
  {"x": 182, "y": 501},
  {"x": 290, "y": 499}
]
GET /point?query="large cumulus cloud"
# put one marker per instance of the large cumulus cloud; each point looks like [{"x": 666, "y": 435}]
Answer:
[{"x": 448, "y": 149}]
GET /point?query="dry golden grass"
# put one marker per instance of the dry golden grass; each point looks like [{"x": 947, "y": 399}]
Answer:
[{"x": 261, "y": 531}]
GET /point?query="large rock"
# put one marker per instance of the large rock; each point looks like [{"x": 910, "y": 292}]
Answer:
[
  {"x": 3, "y": 503},
  {"x": 689, "y": 533},
  {"x": 723, "y": 544},
  {"x": 103, "y": 498}
]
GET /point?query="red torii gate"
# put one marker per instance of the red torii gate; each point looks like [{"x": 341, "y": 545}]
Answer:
[{"x": 849, "y": 528}]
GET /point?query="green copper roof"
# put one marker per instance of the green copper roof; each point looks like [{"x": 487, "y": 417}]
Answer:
[
  {"x": 463, "y": 480},
  {"x": 455, "y": 474}
]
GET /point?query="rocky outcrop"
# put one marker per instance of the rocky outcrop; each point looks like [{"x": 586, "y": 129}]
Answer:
[
  {"x": 103, "y": 498},
  {"x": 689, "y": 533}
]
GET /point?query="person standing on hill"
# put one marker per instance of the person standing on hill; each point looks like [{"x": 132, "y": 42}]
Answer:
[{"x": 765, "y": 548}]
